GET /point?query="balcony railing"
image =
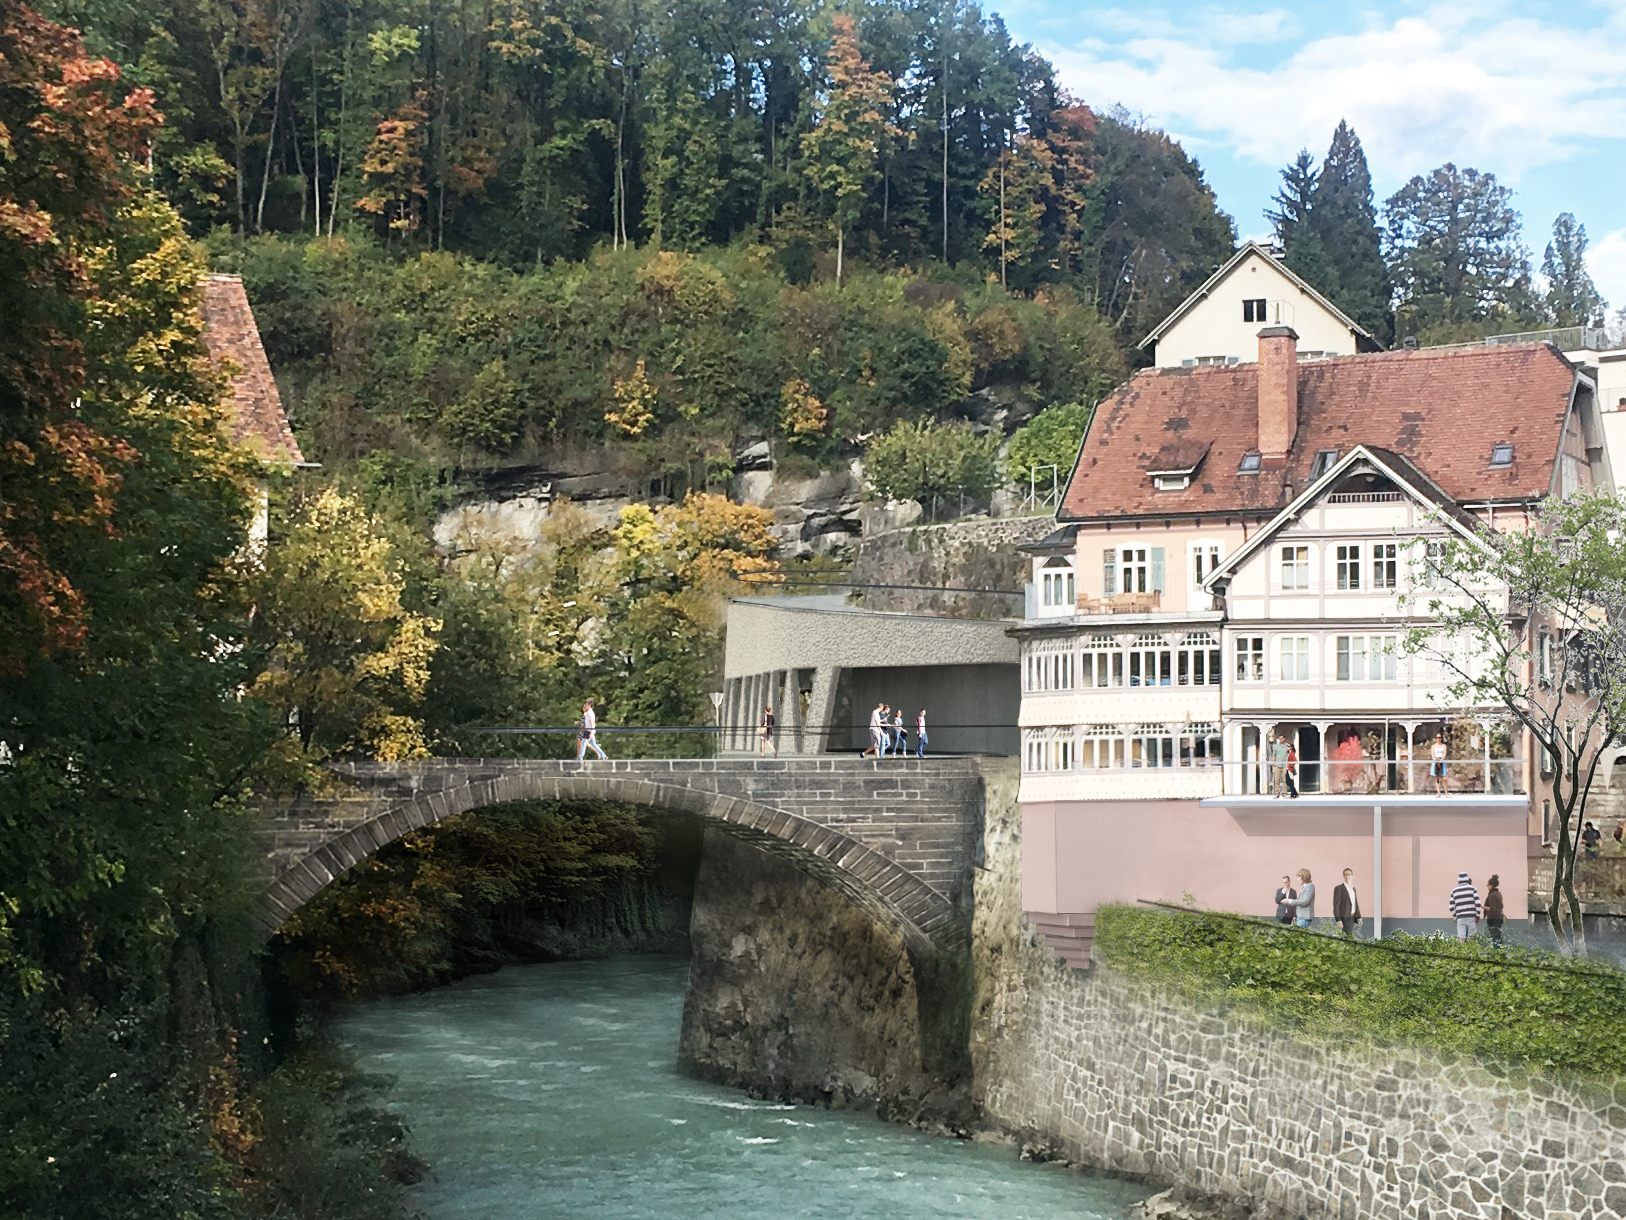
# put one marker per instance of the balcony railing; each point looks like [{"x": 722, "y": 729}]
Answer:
[{"x": 1373, "y": 777}]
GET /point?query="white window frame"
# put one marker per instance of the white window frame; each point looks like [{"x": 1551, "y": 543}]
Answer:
[
  {"x": 1058, "y": 590},
  {"x": 1366, "y": 658},
  {"x": 1198, "y": 659},
  {"x": 1202, "y": 557},
  {"x": 1151, "y": 661},
  {"x": 1152, "y": 747},
  {"x": 1294, "y": 559},
  {"x": 1347, "y": 567},
  {"x": 1052, "y": 665},
  {"x": 1299, "y": 652},
  {"x": 1385, "y": 565},
  {"x": 1199, "y": 744},
  {"x": 1101, "y": 747},
  {"x": 1134, "y": 561},
  {"x": 1100, "y": 662},
  {"x": 1250, "y": 658}
]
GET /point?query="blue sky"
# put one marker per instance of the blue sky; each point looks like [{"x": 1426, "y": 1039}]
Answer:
[{"x": 1534, "y": 93}]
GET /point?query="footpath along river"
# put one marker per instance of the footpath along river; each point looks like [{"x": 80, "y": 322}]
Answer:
[{"x": 554, "y": 1091}]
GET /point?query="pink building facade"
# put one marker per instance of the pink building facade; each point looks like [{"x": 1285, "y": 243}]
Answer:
[{"x": 1220, "y": 616}]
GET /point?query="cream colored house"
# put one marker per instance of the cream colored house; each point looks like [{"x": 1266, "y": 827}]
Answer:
[
  {"x": 1217, "y": 323},
  {"x": 1230, "y": 568}
]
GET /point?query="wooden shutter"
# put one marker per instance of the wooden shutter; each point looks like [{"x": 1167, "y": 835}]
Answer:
[{"x": 1157, "y": 569}]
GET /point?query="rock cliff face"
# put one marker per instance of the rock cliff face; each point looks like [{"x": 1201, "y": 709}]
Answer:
[{"x": 794, "y": 993}]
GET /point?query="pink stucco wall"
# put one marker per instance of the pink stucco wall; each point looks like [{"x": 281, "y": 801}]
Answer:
[{"x": 1077, "y": 855}]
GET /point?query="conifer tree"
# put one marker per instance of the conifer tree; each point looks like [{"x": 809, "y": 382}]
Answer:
[
  {"x": 1294, "y": 200},
  {"x": 1572, "y": 297},
  {"x": 1346, "y": 222}
]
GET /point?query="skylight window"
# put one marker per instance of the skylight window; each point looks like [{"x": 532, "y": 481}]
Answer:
[
  {"x": 1250, "y": 464},
  {"x": 1502, "y": 454},
  {"x": 1323, "y": 462}
]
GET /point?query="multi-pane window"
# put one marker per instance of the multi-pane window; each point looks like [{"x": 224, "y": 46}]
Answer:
[
  {"x": 1205, "y": 557},
  {"x": 1101, "y": 662},
  {"x": 1151, "y": 745},
  {"x": 1197, "y": 659},
  {"x": 1051, "y": 665},
  {"x": 1199, "y": 744},
  {"x": 1367, "y": 658},
  {"x": 1047, "y": 749},
  {"x": 1057, "y": 588},
  {"x": 1385, "y": 564},
  {"x": 1151, "y": 661},
  {"x": 1134, "y": 569},
  {"x": 1294, "y": 655},
  {"x": 1347, "y": 565},
  {"x": 1100, "y": 747},
  {"x": 1250, "y": 658},
  {"x": 1253, "y": 309},
  {"x": 1295, "y": 567}
]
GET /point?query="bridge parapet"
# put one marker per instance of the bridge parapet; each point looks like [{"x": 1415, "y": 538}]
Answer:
[{"x": 895, "y": 836}]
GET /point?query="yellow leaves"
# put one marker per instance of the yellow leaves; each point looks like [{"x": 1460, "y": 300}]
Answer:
[
  {"x": 801, "y": 413},
  {"x": 635, "y": 398}
]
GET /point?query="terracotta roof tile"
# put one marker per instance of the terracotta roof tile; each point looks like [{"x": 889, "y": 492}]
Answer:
[
  {"x": 1440, "y": 410},
  {"x": 257, "y": 419}
]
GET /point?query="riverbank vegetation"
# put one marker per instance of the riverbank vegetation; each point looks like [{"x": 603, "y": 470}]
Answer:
[{"x": 1506, "y": 1005}]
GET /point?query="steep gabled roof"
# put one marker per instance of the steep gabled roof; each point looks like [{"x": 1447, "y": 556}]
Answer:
[
  {"x": 1397, "y": 469},
  {"x": 1440, "y": 409},
  {"x": 1230, "y": 265},
  {"x": 258, "y": 421}
]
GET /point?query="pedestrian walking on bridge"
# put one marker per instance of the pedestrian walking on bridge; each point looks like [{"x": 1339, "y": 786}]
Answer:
[
  {"x": 920, "y": 734},
  {"x": 587, "y": 734}
]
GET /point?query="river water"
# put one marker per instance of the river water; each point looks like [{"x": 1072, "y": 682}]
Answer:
[{"x": 553, "y": 1091}]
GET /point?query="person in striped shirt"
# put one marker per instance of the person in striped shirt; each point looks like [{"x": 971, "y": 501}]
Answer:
[{"x": 1465, "y": 907}]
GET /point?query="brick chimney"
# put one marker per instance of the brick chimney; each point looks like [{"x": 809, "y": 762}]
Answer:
[{"x": 1278, "y": 389}]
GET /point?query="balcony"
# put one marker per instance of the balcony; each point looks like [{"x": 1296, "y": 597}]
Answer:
[
  {"x": 1369, "y": 758},
  {"x": 1121, "y": 603}
]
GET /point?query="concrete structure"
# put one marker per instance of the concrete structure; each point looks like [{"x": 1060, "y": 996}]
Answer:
[
  {"x": 256, "y": 420},
  {"x": 895, "y": 839},
  {"x": 1217, "y": 323},
  {"x": 1241, "y": 551},
  {"x": 823, "y": 665}
]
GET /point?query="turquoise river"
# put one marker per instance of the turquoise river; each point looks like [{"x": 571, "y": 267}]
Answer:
[{"x": 554, "y": 1091}]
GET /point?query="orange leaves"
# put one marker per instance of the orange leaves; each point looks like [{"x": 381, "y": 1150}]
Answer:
[{"x": 393, "y": 169}]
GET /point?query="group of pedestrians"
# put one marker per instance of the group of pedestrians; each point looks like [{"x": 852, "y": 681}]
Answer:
[
  {"x": 1295, "y": 904},
  {"x": 1350, "y": 764},
  {"x": 888, "y": 736}
]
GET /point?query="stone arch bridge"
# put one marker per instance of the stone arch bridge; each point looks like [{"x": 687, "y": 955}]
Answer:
[{"x": 896, "y": 837}]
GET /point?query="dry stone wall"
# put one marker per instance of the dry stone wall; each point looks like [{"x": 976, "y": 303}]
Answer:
[{"x": 973, "y": 554}]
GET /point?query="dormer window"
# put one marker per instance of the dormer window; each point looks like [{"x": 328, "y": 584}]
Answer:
[
  {"x": 1171, "y": 482},
  {"x": 1324, "y": 460},
  {"x": 1249, "y": 463},
  {"x": 1501, "y": 455},
  {"x": 1173, "y": 466},
  {"x": 1058, "y": 590}
]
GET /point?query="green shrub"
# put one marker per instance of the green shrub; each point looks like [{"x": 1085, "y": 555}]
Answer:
[
  {"x": 1050, "y": 439},
  {"x": 919, "y": 460},
  {"x": 1505, "y": 1005}
]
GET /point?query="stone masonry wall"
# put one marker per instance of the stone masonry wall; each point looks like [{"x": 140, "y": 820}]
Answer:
[
  {"x": 973, "y": 554},
  {"x": 1111, "y": 1073}
]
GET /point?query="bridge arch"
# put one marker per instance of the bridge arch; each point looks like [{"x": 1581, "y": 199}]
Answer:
[{"x": 315, "y": 843}]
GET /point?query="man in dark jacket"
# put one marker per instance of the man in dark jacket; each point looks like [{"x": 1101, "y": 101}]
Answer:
[
  {"x": 1346, "y": 904},
  {"x": 1284, "y": 900}
]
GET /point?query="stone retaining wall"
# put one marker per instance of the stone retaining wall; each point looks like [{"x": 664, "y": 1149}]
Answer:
[
  {"x": 1113, "y": 1073},
  {"x": 973, "y": 554}
]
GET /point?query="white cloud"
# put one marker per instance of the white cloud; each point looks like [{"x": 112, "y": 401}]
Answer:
[
  {"x": 1606, "y": 260},
  {"x": 1457, "y": 82}
]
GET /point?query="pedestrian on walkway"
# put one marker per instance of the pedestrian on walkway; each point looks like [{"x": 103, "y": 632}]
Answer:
[
  {"x": 1436, "y": 766},
  {"x": 900, "y": 735},
  {"x": 1278, "y": 765},
  {"x": 587, "y": 733},
  {"x": 876, "y": 736},
  {"x": 1346, "y": 904},
  {"x": 1590, "y": 838},
  {"x": 1465, "y": 907},
  {"x": 1291, "y": 772},
  {"x": 765, "y": 743},
  {"x": 1303, "y": 902},
  {"x": 920, "y": 734},
  {"x": 1495, "y": 913}
]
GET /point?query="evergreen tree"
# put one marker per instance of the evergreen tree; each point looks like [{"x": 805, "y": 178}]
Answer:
[
  {"x": 1346, "y": 223},
  {"x": 1454, "y": 249},
  {"x": 1294, "y": 200},
  {"x": 1572, "y": 297}
]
